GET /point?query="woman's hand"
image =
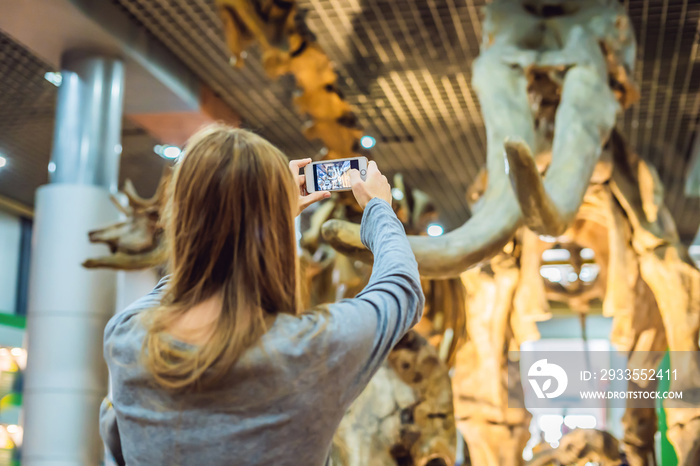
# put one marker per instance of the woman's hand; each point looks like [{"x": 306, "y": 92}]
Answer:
[
  {"x": 375, "y": 185},
  {"x": 305, "y": 199}
]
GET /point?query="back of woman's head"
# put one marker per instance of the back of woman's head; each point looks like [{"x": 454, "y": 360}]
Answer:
[{"x": 229, "y": 227}]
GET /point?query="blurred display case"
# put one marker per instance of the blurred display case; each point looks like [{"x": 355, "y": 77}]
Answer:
[{"x": 13, "y": 360}]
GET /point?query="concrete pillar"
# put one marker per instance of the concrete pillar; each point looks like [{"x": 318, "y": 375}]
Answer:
[{"x": 69, "y": 306}]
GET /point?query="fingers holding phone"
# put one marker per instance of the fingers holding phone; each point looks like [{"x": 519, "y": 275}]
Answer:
[
  {"x": 306, "y": 198},
  {"x": 374, "y": 185}
]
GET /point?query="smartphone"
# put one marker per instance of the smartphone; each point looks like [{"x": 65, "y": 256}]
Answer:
[{"x": 332, "y": 175}]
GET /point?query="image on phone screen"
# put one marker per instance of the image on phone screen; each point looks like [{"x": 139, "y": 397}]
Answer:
[{"x": 333, "y": 175}]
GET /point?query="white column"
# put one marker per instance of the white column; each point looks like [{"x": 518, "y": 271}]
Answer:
[{"x": 66, "y": 377}]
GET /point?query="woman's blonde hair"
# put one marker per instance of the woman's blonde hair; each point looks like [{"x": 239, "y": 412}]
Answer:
[{"x": 229, "y": 226}]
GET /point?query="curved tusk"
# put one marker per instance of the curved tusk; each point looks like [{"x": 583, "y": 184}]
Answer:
[
  {"x": 344, "y": 237},
  {"x": 539, "y": 212},
  {"x": 499, "y": 86},
  {"x": 482, "y": 236},
  {"x": 309, "y": 238},
  {"x": 583, "y": 122}
]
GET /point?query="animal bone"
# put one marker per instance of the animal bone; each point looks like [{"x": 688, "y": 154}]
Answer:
[
  {"x": 405, "y": 414},
  {"x": 580, "y": 447},
  {"x": 640, "y": 427},
  {"x": 495, "y": 433},
  {"x": 444, "y": 317},
  {"x": 337, "y": 138},
  {"x": 266, "y": 22},
  {"x": 322, "y": 104},
  {"x": 137, "y": 242},
  {"x": 249, "y": 21},
  {"x": 323, "y": 211},
  {"x": 529, "y": 300}
]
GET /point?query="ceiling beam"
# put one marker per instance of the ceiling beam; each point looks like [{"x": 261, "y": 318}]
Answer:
[{"x": 15, "y": 208}]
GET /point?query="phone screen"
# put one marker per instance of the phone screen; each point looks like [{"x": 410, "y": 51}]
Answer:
[{"x": 329, "y": 176}]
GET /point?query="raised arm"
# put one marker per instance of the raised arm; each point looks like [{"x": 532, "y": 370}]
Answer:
[
  {"x": 394, "y": 288},
  {"x": 364, "y": 329}
]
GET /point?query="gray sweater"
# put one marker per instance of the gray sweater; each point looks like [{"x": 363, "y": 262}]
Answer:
[{"x": 286, "y": 395}]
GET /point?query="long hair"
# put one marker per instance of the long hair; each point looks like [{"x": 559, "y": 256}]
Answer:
[{"x": 229, "y": 229}]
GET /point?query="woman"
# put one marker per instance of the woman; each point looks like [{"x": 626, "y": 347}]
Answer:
[{"x": 220, "y": 365}]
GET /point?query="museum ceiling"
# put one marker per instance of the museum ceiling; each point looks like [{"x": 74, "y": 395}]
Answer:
[{"x": 405, "y": 66}]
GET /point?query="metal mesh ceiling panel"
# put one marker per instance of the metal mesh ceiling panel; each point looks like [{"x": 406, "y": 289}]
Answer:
[{"x": 27, "y": 105}]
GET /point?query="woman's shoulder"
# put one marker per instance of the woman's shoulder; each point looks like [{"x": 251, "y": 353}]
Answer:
[
  {"x": 323, "y": 324},
  {"x": 309, "y": 321},
  {"x": 125, "y": 319}
]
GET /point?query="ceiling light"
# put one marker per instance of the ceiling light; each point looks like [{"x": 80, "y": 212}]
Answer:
[
  {"x": 54, "y": 78},
  {"x": 397, "y": 194},
  {"x": 551, "y": 273},
  {"x": 3, "y": 161},
  {"x": 553, "y": 255},
  {"x": 52, "y": 167},
  {"x": 435, "y": 229},
  {"x": 171, "y": 152},
  {"x": 367, "y": 142},
  {"x": 589, "y": 272},
  {"x": 167, "y": 151}
]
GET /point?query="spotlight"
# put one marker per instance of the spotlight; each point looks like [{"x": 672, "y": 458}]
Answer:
[
  {"x": 3, "y": 161},
  {"x": 167, "y": 151},
  {"x": 171, "y": 152},
  {"x": 397, "y": 194},
  {"x": 551, "y": 273},
  {"x": 553, "y": 255},
  {"x": 54, "y": 78},
  {"x": 367, "y": 142},
  {"x": 588, "y": 254},
  {"x": 435, "y": 229}
]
